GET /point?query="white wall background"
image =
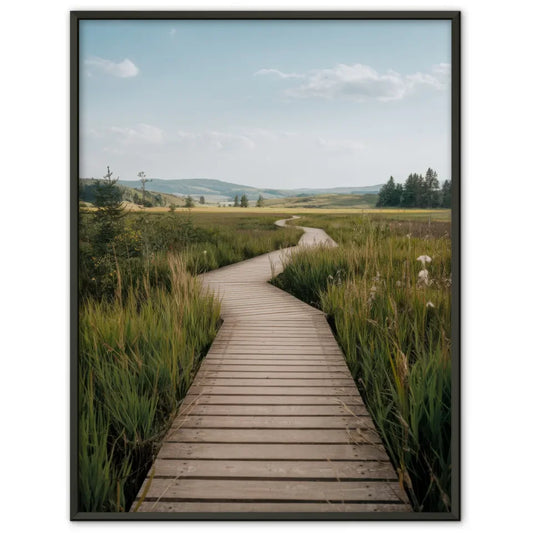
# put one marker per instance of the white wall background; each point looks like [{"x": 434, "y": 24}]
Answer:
[{"x": 497, "y": 287}]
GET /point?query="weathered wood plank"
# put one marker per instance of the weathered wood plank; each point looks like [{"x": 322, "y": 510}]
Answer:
[
  {"x": 322, "y": 491},
  {"x": 267, "y": 452},
  {"x": 277, "y": 410},
  {"x": 273, "y": 435},
  {"x": 274, "y": 390},
  {"x": 330, "y": 470},
  {"x": 265, "y": 507},
  {"x": 279, "y": 399},
  {"x": 243, "y": 421}
]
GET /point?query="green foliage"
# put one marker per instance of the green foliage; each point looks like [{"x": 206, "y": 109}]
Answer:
[
  {"x": 447, "y": 194},
  {"x": 236, "y": 201},
  {"x": 395, "y": 331},
  {"x": 202, "y": 200},
  {"x": 109, "y": 213},
  {"x": 244, "y": 201},
  {"x": 417, "y": 191},
  {"x": 260, "y": 201},
  {"x": 137, "y": 358},
  {"x": 189, "y": 202},
  {"x": 390, "y": 194}
]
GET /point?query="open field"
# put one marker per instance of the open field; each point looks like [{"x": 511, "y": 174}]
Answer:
[
  {"x": 145, "y": 325},
  {"x": 435, "y": 214}
]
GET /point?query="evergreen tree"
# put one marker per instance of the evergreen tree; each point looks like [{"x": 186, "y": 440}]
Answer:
[
  {"x": 412, "y": 191},
  {"x": 260, "y": 201},
  {"x": 202, "y": 200},
  {"x": 429, "y": 190},
  {"x": 189, "y": 201},
  {"x": 446, "y": 194},
  {"x": 109, "y": 212},
  {"x": 236, "y": 201},
  {"x": 389, "y": 195},
  {"x": 244, "y": 201}
]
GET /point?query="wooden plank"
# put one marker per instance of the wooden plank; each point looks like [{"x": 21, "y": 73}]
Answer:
[
  {"x": 258, "y": 366},
  {"x": 322, "y": 491},
  {"x": 315, "y": 422},
  {"x": 330, "y": 470},
  {"x": 279, "y": 399},
  {"x": 267, "y": 452},
  {"x": 273, "y": 374},
  {"x": 305, "y": 436},
  {"x": 266, "y": 507},
  {"x": 274, "y": 390},
  {"x": 271, "y": 382},
  {"x": 277, "y": 410}
]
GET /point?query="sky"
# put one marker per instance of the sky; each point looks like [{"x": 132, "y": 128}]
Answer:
[{"x": 283, "y": 104}]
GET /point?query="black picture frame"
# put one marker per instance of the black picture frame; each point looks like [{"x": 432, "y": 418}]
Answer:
[{"x": 455, "y": 18}]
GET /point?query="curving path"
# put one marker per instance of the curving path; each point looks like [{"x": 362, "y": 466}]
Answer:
[{"x": 273, "y": 421}]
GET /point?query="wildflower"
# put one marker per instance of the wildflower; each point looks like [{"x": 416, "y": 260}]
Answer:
[
  {"x": 430, "y": 304},
  {"x": 424, "y": 259},
  {"x": 204, "y": 252},
  {"x": 423, "y": 277},
  {"x": 372, "y": 296},
  {"x": 408, "y": 235}
]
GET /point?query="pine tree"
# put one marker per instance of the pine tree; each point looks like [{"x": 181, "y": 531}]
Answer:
[
  {"x": 244, "y": 201},
  {"x": 260, "y": 201},
  {"x": 236, "y": 201},
  {"x": 412, "y": 191},
  {"x": 189, "y": 201},
  {"x": 430, "y": 190},
  {"x": 389, "y": 195},
  {"x": 202, "y": 200},
  {"x": 446, "y": 194},
  {"x": 109, "y": 212}
]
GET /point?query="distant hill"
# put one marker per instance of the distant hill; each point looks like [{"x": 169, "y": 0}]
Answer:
[
  {"x": 362, "y": 201},
  {"x": 220, "y": 191},
  {"x": 132, "y": 195}
]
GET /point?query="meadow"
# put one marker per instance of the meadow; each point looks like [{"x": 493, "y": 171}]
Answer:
[
  {"x": 144, "y": 325},
  {"x": 387, "y": 292}
]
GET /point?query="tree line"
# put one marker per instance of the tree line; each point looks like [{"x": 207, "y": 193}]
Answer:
[{"x": 417, "y": 191}]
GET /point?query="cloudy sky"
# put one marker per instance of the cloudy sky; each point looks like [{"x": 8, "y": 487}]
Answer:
[{"x": 265, "y": 103}]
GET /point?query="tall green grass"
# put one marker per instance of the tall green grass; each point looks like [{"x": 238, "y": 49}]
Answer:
[
  {"x": 395, "y": 331},
  {"x": 138, "y": 355}
]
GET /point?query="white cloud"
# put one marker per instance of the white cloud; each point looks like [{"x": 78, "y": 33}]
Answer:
[
  {"x": 141, "y": 133},
  {"x": 346, "y": 146},
  {"x": 362, "y": 83},
  {"x": 215, "y": 140},
  {"x": 122, "y": 69},
  {"x": 276, "y": 72}
]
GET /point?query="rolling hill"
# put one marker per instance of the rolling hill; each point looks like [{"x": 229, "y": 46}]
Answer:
[
  {"x": 362, "y": 201},
  {"x": 220, "y": 191}
]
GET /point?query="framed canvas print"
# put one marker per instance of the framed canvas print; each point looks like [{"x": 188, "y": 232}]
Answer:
[{"x": 265, "y": 271}]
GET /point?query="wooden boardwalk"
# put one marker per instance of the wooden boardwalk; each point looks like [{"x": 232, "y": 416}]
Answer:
[{"x": 273, "y": 421}]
